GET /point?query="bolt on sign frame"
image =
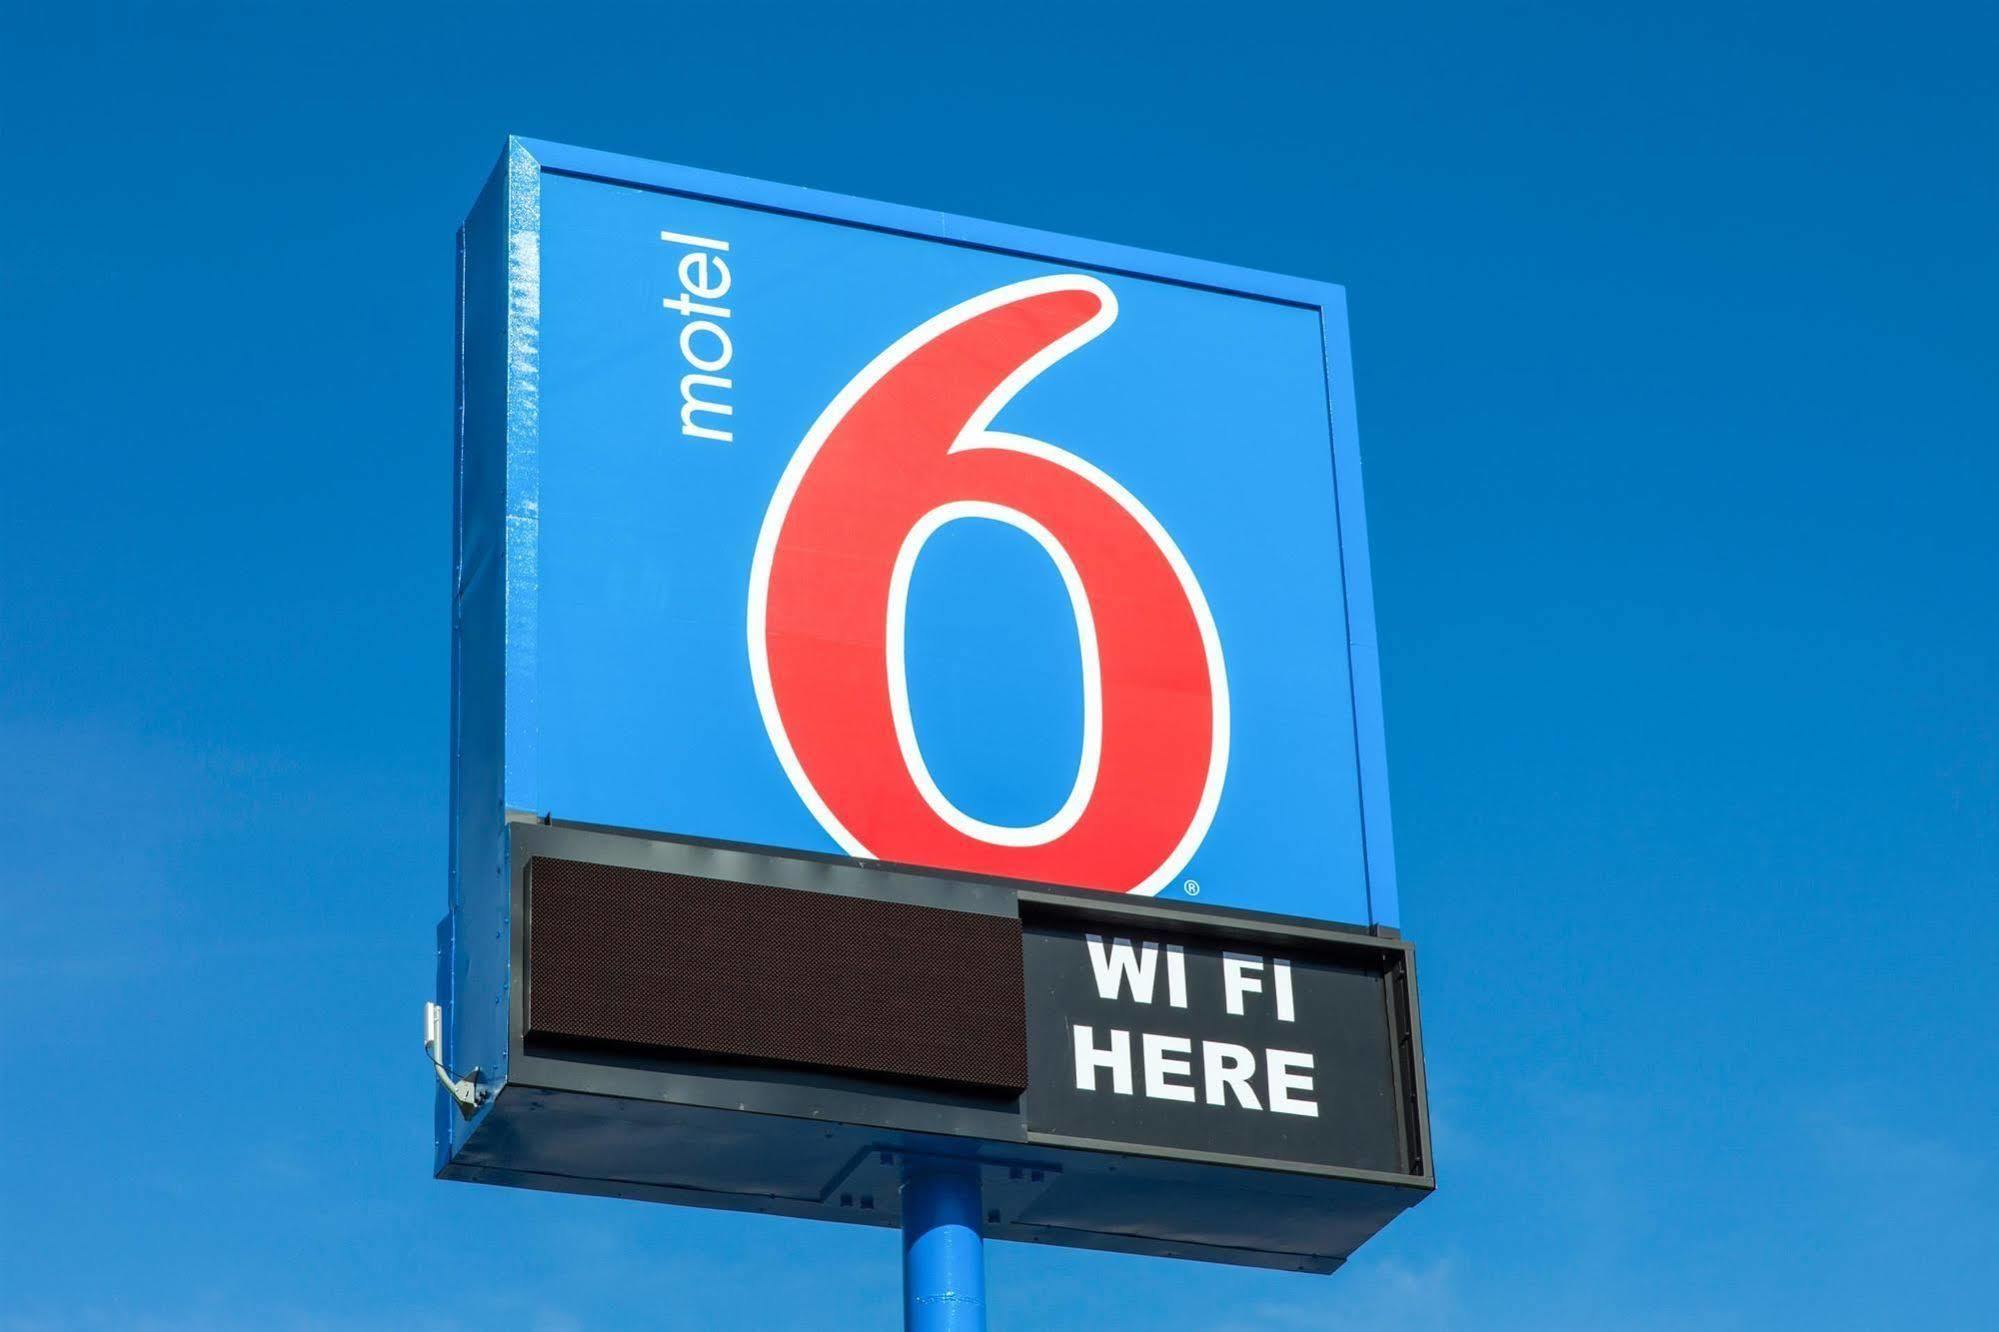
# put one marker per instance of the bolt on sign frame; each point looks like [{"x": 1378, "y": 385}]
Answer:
[{"x": 846, "y": 779}]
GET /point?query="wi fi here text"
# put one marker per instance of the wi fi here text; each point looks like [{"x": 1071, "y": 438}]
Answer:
[{"x": 1166, "y": 1067}]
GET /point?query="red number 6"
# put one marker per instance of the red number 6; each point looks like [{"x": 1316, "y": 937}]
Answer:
[{"x": 900, "y": 452}]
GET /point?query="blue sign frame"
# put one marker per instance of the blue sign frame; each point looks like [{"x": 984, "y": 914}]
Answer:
[{"x": 497, "y": 767}]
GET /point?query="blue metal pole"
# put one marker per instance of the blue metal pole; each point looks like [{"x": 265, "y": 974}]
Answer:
[{"x": 943, "y": 1266}]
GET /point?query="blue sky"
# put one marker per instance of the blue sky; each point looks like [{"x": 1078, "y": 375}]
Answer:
[{"x": 1673, "y": 332}]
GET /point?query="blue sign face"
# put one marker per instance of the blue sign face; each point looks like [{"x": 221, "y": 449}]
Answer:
[{"x": 830, "y": 526}]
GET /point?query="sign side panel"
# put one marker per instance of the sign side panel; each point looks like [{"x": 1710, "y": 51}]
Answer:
[
  {"x": 522, "y": 499},
  {"x": 1363, "y": 654},
  {"x": 475, "y": 1027}
]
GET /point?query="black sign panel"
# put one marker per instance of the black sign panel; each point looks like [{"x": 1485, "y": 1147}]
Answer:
[
  {"x": 1277, "y": 1053},
  {"x": 759, "y": 974},
  {"x": 726, "y": 1026}
]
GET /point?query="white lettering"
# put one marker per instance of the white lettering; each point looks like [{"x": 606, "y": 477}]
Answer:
[
  {"x": 1192, "y": 1069},
  {"x": 691, "y": 404},
  {"x": 694, "y": 242},
  {"x": 707, "y": 286},
  {"x": 1117, "y": 1059},
  {"x": 1283, "y": 1082},
  {"x": 1236, "y": 980},
  {"x": 685, "y": 304},
  {"x": 1229, "y": 1068},
  {"x": 704, "y": 278},
  {"x": 1160, "y": 1065},
  {"x": 724, "y": 349},
  {"x": 1176, "y": 976},
  {"x": 1122, "y": 964}
]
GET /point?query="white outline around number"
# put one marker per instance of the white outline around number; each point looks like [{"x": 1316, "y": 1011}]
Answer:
[
  {"x": 975, "y": 435},
  {"x": 1085, "y": 785}
]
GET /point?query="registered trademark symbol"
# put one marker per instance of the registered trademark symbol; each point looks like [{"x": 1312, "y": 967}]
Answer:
[{"x": 1193, "y": 889}]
